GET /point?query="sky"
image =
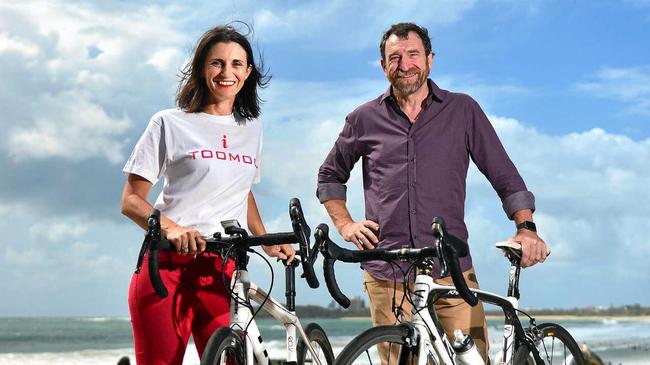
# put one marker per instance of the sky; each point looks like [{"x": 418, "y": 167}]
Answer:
[{"x": 565, "y": 84}]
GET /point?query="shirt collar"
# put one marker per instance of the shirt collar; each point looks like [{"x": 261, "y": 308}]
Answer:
[{"x": 434, "y": 93}]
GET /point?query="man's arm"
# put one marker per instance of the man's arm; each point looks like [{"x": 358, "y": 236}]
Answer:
[
  {"x": 533, "y": 247},
  {"x": 255, "y": 225},
  {"x": 360, "y": 233},
  {"x": 490, "y": 157},
  {"x": 332, "y": 176}
]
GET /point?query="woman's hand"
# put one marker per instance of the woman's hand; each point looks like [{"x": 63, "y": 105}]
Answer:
[
  {"x": 282, "y": 252},
  {"x": 188, "y": 241}
]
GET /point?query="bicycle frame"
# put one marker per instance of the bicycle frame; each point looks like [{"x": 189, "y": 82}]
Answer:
[
  {"x": 437, "y": 345},
  {"x": 241, "y": 317}
]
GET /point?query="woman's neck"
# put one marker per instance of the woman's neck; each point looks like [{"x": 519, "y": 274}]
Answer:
[{"x": 219, "y": 108}]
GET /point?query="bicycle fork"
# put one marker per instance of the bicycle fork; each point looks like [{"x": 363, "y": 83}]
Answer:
[
  {"x": 240, "y": 320},
  {"x": 431, "y": 345}
]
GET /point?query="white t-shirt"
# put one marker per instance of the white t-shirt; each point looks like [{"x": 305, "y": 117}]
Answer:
[{"x": 208, "y": 162}]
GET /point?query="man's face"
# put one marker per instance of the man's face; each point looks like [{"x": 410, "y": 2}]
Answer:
[{"x": 406, "y": 63}]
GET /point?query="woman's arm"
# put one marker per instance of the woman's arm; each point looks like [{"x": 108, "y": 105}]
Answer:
[
  {"x": 255, "y": 225},
  {"x": 134, "y": 205}
]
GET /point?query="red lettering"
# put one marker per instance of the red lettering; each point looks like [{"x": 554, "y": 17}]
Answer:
[
  {"x": 206, "y": 154},
  {"x": 233, "y": 157},
  {"x": 193, "y": 153},
  {"x": 249, "y": 161},
  {"x": 220, "y": 155}
]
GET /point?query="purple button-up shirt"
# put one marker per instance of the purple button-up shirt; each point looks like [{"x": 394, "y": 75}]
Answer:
[{"x": 413, "y": 172}]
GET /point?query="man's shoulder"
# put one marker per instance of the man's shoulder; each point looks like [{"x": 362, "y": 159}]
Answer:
[{"x": 459, "y": 97}]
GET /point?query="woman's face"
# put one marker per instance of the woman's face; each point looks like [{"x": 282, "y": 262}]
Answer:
[{"x": 225, "y": 71}]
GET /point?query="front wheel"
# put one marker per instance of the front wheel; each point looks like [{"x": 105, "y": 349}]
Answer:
[
  {"x": 380, "y": 345},
  {"x": 555, "y": 346},
  {"x": 225, "y": 346},
  {"x": 319, "y": 342}
]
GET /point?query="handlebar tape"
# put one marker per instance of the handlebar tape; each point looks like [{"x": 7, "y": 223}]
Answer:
[
  {"x": 270, "y": 239},
  {"x": 309, "y": 274},
  {"x": 302, "y": 232},
  {"x": 453, "y": 248},
  {"x": 154, "y": 244},
  {"x": 332, "y": 285},
  {"x": 459, "y": 281},
  {"x": 154, "y": 273}
]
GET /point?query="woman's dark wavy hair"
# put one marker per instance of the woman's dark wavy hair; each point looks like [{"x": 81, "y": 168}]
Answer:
[{"x": 193, "y": 92}]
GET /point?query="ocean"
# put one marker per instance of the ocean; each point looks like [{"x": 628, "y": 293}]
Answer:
[{"x": 104, "y": 340}]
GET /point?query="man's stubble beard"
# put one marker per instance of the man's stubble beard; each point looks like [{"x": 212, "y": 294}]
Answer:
[{"x": 407, "y": 89}]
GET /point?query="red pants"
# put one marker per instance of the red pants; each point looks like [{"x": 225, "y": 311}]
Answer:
[{"x": 197, "y": 304}]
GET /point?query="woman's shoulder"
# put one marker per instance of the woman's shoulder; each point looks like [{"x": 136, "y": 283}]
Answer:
[{"x": 167, "y": 114}]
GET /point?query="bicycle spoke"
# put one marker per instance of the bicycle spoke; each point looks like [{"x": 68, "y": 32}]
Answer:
[{"x": 368, "y": 355}]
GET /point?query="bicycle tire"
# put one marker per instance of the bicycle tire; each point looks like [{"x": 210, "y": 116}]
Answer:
[
  {"x": 224, "y": 341},
  {"x": 363, "y": 348},
  {"x": 556, "y": 346},
  {"x": 320, "y": 342}
]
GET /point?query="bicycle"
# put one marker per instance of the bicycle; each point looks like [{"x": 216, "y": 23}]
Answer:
[
  {"x": 421, "y": 340},
  {"x": 241, "y": 342}
]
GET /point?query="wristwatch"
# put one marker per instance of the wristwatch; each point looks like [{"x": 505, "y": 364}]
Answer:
[{"x": 527, "y": 225}]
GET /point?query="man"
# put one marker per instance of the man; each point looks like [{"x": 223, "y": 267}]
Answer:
[{"x": 415, "y": 142}]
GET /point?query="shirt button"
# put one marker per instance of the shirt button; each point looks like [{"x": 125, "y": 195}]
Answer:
[
  {"x": 412, "y": 184},
  {"x": 412, "y": 211},
  {"x": 415, "y": 237}
]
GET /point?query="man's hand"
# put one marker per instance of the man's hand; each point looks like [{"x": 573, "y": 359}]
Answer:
[
  {"x": 533, "y": 248},
  {"x": 361, "y": 234},
  {"x": 282, "y": 252}
]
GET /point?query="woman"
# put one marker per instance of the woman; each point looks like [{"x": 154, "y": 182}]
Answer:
[{"x": 208, "y": 152}]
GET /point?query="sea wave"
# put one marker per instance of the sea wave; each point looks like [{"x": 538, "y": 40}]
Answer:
[
  {"x": 85, "y": 357},
  {"x": 105, "y": 319}
]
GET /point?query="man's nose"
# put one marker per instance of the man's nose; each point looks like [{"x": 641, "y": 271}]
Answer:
[{"x": 404, "y": 64}]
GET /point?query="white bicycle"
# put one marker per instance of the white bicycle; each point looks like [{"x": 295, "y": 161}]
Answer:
[
  {"x": 241, "y": 343},
  {"x": 421, "y": 340}
]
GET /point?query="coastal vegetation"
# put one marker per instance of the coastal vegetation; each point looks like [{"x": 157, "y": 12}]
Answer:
[{"x": 358, "y": 308}]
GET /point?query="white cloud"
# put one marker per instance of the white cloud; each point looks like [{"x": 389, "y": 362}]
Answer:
[
  {"x": 11, "y": 44},
  {"x": 628, "y": 85},
  {"x": 333, "y": 24},
  {"x": 58, "y": 230},
  {"x": 78, "y": 131},
  {"x": 76, "y": 84}
]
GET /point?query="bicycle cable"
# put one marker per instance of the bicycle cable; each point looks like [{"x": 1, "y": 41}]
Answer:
[
  {"x": 230, "y": 287},
  {"x": 268, "y": 292}
]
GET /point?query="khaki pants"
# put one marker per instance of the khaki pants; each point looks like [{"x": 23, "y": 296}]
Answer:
[{"x": 452, "y": 313}]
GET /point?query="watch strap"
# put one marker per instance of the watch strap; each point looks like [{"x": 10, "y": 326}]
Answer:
[{"x": 527, "y": 225}]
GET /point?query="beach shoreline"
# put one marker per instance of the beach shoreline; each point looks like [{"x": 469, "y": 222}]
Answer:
[
  {"x": 572, "y": 317},
  {"x": 549, "y": 317}
]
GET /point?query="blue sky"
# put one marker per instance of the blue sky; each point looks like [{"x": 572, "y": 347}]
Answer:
[{"x": 566, "y": 85}]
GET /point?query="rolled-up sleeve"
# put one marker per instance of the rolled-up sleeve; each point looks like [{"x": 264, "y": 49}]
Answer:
[
  {"x": 335, "y": 170},
  {"x": 491, "y": 158}
]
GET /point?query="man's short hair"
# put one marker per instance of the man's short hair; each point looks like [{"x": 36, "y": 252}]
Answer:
[{"x": 402, "y": 30}]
